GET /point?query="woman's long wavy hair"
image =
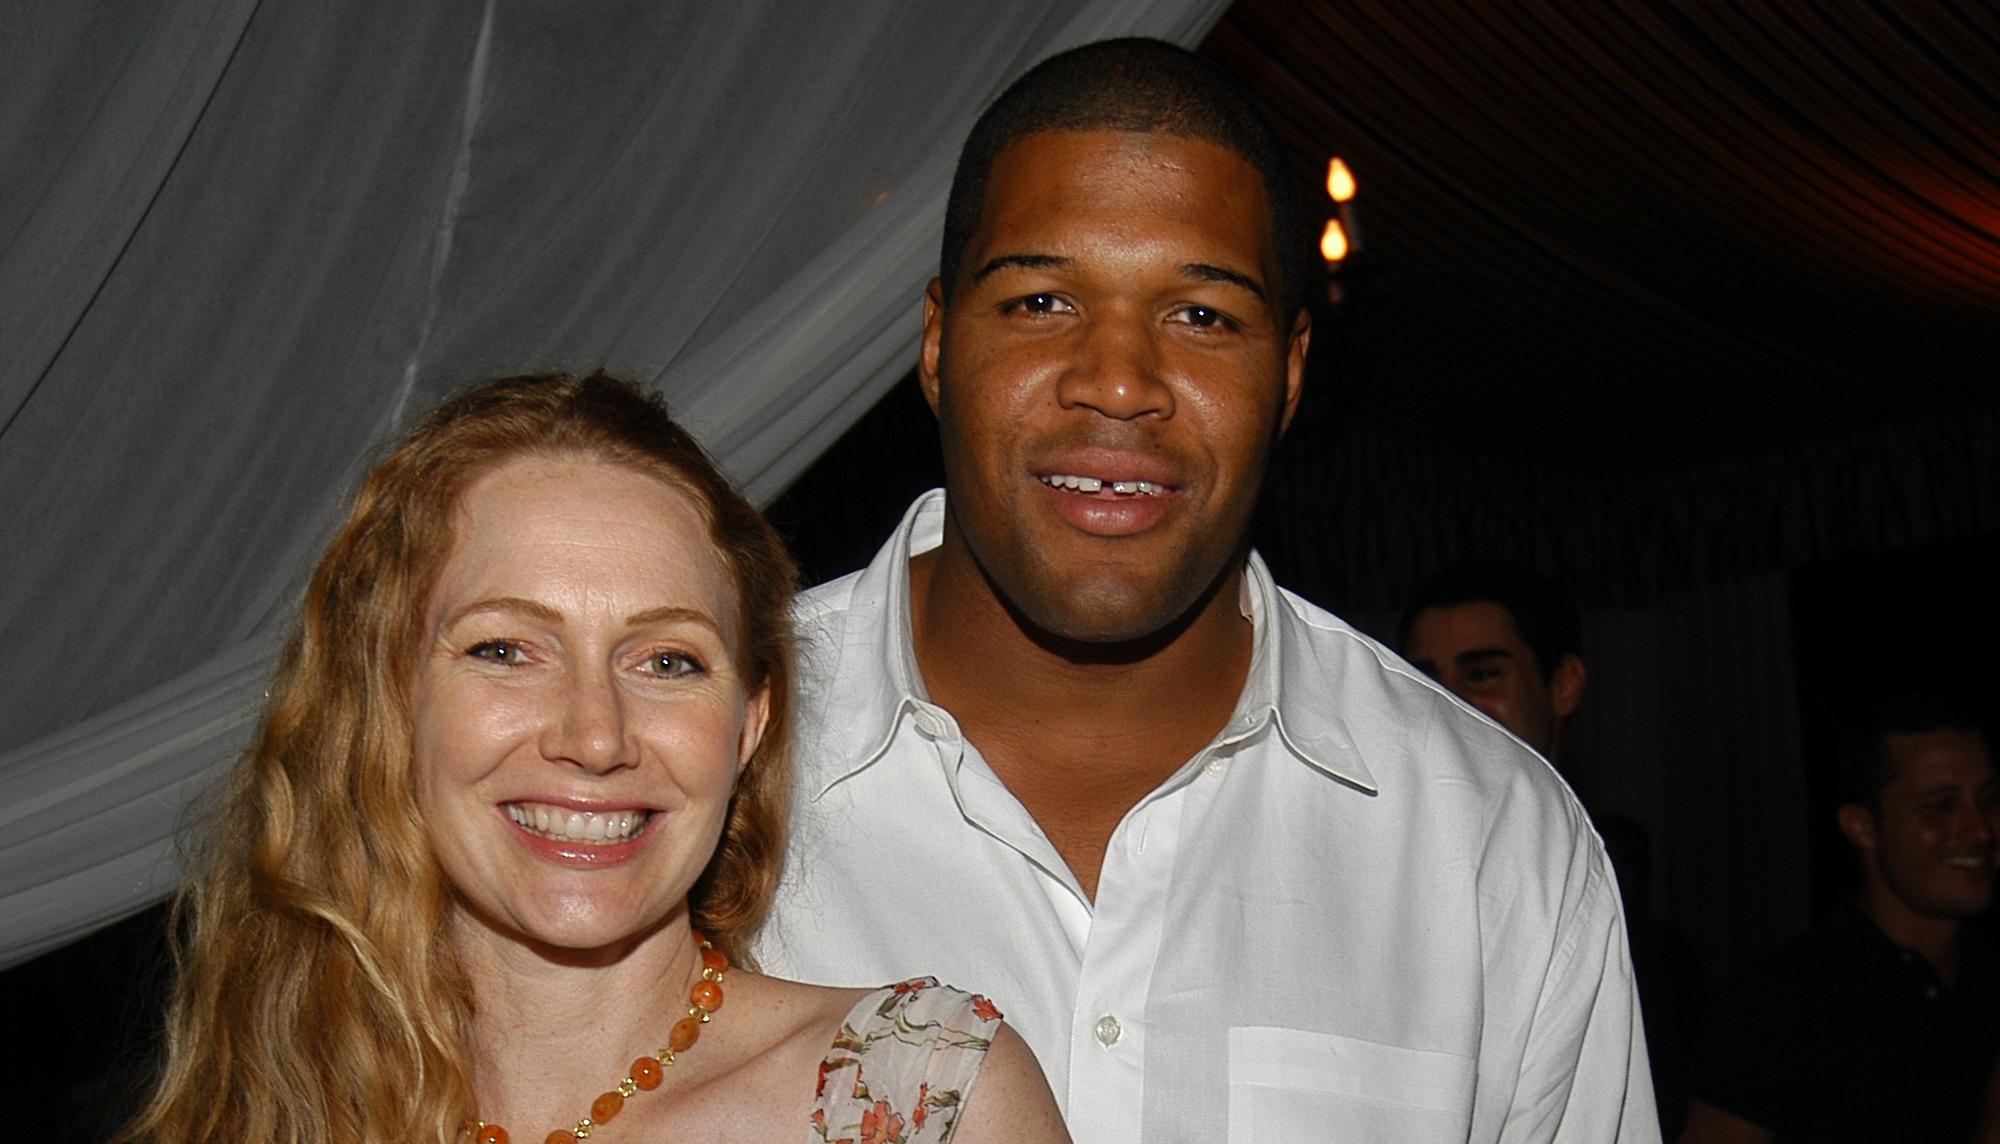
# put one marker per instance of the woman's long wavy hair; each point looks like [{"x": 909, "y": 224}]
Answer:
[{"x": 318, "y": 998}]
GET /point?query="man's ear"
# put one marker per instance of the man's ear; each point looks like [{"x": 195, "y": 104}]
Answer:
[
  {"x": 756, "y": 716},
  {"x": 1566, "y": 686},
  {"x": 1295, "y": 366},
  {"x": 927, "y": 355},
  {"x": 1857, "y": 824}
]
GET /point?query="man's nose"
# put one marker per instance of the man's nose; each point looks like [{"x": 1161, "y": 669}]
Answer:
[
  {"x": 1118, "y": 371},
  {"x": 1977, "y": 823}
]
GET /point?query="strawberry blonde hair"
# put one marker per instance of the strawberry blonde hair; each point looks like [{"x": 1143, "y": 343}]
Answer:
[{"x": 317, "y": 997}]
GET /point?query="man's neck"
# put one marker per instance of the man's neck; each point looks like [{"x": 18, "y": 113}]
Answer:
[
  {"x": 1936, "y": 940},
  {"x": 1078, "y": 738}
]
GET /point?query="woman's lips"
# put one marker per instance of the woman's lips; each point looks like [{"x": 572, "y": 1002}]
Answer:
[
  {"x": 565, "y": 824},
  {"x": 576, "y": 837}
]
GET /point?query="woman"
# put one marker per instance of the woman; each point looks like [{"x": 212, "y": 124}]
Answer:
[{"x": 526, "y": 748}]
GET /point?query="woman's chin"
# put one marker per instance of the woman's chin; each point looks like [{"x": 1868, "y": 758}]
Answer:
[{"x": 569, "y": 929}]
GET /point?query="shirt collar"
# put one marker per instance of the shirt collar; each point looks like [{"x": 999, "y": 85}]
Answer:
[
  {"x": 1286, "y": 683},
  {"x": 875, "y": 683}
]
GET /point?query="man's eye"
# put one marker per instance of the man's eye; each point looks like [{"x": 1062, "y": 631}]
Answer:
[
  {"x": 1203, "y": 317},
  {"x": 1039, "y": 304},
  {"x": 503, "y": 652}
]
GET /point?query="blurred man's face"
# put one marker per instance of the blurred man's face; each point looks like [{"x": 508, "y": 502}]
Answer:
[
  {"x": 1475, "y": 651},
  {"x": 1931, "y": 845}
]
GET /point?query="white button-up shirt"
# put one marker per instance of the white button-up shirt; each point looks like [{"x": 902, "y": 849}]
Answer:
[{"x": 1361, "y": 913}]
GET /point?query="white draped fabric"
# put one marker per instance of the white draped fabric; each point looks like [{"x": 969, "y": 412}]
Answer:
[{"x": 241, "y": 242}]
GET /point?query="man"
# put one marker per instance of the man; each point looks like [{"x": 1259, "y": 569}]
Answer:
[
  {"x": 1880, "y": 1023},
  {"x": 1505, "y": 640},
  {"x": 1232, "y": 870}
]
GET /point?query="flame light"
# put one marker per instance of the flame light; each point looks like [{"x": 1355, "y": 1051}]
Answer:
[
  {"x": 1333, "y": 243},
  {"x": 1339, "y": 181}
]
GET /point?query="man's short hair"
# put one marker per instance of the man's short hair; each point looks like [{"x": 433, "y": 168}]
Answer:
[
  {"x": 1132, "y": 85},
  {"x": 1861, "y": 762},
  {"x": 1544, "y": 616}
]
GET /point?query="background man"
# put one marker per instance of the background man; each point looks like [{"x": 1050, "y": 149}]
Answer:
[
  {"x": 1234, "y": 871},
  {"x": 1504, "y": 639},
  {"x": 1509, "y": 641},
  {"x": 1880, "y": 1023}
]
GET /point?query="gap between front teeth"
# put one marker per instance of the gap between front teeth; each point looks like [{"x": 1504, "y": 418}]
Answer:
[
  {"x": 1096, "y": 484},
  {"x": 577, "y": 825}
]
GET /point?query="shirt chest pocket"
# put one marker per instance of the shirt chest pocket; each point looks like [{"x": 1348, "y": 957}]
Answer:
[{"x": 1291, "y": 1085}]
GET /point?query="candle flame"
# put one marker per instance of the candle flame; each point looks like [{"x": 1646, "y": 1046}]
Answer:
[
  {"x": 1333, "y": 243},
  {"x": 1339, "y": 181}
]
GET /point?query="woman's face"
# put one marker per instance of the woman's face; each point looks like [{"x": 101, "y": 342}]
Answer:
[{"x": 579, "y": 718}]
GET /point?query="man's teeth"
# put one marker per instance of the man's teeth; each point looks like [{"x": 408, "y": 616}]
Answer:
[
  {"x": 577, "y": 825},
  {"x": 1096, "y": 484}
]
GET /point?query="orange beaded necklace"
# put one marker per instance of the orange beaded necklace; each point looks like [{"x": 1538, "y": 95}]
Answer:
[{"x": 703, "y": 1000}]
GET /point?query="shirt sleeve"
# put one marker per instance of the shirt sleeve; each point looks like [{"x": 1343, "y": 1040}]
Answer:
[{"x": 1584, "y": 1073}]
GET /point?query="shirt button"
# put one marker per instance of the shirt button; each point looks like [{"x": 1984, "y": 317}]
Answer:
[
  {"x": 1216, "y": 766},
  {"x": 1109, "y": 1030},
  {"x": 929, "y": 724}
]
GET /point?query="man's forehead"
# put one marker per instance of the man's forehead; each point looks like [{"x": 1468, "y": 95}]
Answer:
[
  {"x": 1077, "y": 170},
  {"x": 1484, "y": 622},
  {"x": 1924, "y": 760}
]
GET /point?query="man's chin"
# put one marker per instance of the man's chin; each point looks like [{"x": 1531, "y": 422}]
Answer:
[{"x": 1107, "y": 620}]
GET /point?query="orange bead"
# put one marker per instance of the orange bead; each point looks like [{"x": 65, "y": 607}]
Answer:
[
  {"x": 560, "y": 1136},
  {"x": 707, "y": 994},
  {"x": 683, "y": 1034},
  {"x": 606, "y": 1106},
  {"x": 646, "y": 1073},
  {"x": 714, "y": 959},
  {"x": 493, "y": 1134}
]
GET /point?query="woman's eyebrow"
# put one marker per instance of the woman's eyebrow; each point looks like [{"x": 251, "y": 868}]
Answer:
[
  {"x": 675, "y": 614},
  {"x": 515, "y": 605}
]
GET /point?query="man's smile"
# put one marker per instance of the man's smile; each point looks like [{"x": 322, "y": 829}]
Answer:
[{"x": 1099, "y": 485}]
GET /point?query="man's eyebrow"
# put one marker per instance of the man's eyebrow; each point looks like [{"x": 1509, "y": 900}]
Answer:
[
  {"x": 1208, "y": 272},
  {"x": 1474, "y": 655},
  {"x": 1021, "y": 262}
]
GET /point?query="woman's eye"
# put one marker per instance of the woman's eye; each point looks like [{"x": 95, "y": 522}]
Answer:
[
  {"x": 503, "y": 652},
  {"x": 672, "y": 663}
]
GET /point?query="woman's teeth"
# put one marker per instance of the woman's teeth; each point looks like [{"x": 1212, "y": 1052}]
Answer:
[
  {"x": 1097, "y": 484},
  {"x": 577, "y": 825}
]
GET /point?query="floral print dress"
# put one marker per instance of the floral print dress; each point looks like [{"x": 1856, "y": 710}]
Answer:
[{"x": 902, "y": 1066}]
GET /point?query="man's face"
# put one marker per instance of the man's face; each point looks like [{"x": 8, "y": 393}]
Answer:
[
  {"x": 1932, "y": 843},
  {"x": 1110, "y": 376},
  {"x": 1475, "y": 651}
]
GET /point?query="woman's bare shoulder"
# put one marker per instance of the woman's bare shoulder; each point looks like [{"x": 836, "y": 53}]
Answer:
[
  {"x": 791, "y": 1010},
  {"x": 1012, "y": 1101}
]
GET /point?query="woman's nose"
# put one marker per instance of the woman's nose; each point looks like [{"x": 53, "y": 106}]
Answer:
[{"x": 590, "y": 729}]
